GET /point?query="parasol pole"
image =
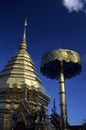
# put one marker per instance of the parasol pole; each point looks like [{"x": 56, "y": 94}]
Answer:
[{"x": 63, "y": 106}]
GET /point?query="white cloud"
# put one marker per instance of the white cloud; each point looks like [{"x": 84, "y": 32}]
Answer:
[{"x": 75, "y": 5}]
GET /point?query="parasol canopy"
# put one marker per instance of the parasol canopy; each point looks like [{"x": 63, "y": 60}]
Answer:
[{"x": 51, "y": 63}]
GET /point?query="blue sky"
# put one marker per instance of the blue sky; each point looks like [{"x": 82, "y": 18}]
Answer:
[{"x": 52, "y": 24}]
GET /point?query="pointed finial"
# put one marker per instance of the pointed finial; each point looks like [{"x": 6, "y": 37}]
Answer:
[
  {"x": 25, "y": 26},
  {"x": 54, "y": 107},
  {"x": 23, "y": 44}
]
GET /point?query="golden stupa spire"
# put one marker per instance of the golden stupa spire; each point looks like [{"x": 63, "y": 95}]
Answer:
[
  {"x": 23, "y": 43},
  {"x": 25, "y": 26}
]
